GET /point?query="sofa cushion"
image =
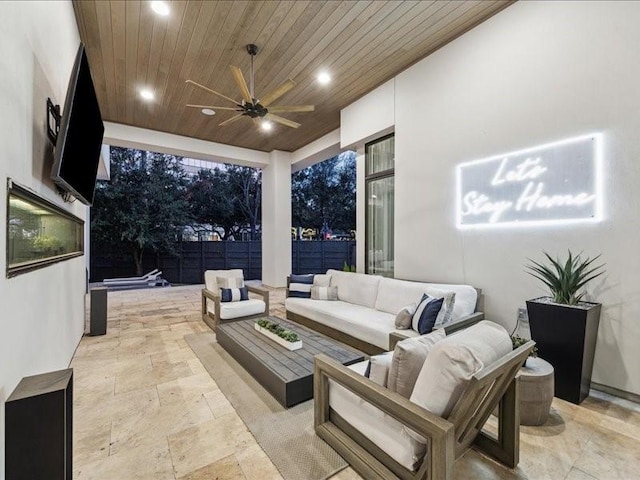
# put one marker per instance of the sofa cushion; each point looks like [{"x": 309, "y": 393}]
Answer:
[
  {"x": 230, "y": 282},
  {"x": 426, "y": 313},
  {"x": 230, "y": 310},
  {"x": 408, "y": 358},
  {"x": 324, "y": 293},
  {"x": 394, "y": 294},
  {"x": 382, "y": 429},
  {"x": 360, "y": 322},
  {"x": 321, "y": 280},
  {"x": 453, "y": 361},
  {"x": 300, "y": 285},
  {"x": 357, "y": 288},
  {"x": 211, "y": 278}
]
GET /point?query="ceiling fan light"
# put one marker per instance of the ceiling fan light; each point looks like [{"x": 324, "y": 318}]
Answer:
[
  {"x": 160, "y": 7},
  {"x": 208, "y": 111},
  {"x": 266, "y": 125},
  {"x": 324, "y": 78}
]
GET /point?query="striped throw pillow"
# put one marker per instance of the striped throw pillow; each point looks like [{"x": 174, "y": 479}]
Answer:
[
  {"x": 424, "y": 319},
  {"x": 324, "y": 293},
  {"x": 300, "y": 286},
  {"x": 230, "y": 282},
  {"x": 234, "y": 294}
]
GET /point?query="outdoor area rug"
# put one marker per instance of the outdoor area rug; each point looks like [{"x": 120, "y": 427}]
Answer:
[{"x": 286, "y": 435}]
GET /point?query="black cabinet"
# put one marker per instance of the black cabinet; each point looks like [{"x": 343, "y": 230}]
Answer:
[{"x": 38, "y": 428}]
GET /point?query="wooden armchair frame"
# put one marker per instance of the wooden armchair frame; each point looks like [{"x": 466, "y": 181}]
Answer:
[
  {"x": 213, "y": 320},
  {"x": 449, "y": 439}
]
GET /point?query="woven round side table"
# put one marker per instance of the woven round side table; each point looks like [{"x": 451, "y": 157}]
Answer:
[{"x": 536, "y": 391}]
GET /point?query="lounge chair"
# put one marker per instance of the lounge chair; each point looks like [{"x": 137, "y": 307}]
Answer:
[{"x": 145, "y": 277}]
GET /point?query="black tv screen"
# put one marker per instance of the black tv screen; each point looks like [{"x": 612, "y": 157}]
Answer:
[{"x": 77, "y": 151}]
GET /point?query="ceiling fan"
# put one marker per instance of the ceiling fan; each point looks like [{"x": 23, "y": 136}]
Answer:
[{"x": 250, "y": 106}]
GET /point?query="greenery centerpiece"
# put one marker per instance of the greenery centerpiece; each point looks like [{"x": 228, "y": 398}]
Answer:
[
  {"x": 278, "y": 333},
  {"x": 563, "y": 325}
]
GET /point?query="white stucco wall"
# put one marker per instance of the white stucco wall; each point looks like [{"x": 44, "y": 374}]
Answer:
[
  {"x": 534, "y": 73},
  {"x": 42, "y": 312}
]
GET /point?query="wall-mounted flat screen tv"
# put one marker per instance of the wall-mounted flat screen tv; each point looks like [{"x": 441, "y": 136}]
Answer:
[{"x": 77, "y": 151}]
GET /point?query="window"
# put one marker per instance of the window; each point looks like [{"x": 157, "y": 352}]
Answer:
[
  {"x": 39, "y": 233},
  {"x": 379, "y": 186}
]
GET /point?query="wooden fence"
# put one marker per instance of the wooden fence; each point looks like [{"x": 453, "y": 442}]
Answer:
[{"x": 188, "y": 267}]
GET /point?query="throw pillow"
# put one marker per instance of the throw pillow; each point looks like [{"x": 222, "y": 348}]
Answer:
[
  {"x": 424, "y": 318},
  {"x": 404, "y": 316},
  {"x": 445, "y": 315},
  {"x": 379, "y": 366},
  {"x": 234, "y": 294},
  {"x": 324, "y": 293},
  {"x": 230, "y": 282},
  {"x": 300, "y": 286},
  {"x": 322, "y": 280},
  {"x": 408, "y": 358}
]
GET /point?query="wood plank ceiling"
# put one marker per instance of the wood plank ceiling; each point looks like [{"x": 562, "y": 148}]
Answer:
[{"x": 361, "y": 43}]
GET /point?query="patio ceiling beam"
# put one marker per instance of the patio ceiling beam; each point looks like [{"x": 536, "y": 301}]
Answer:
[
  {"x": 117, "y": 134},
  {"x": 317, "y": 151}
]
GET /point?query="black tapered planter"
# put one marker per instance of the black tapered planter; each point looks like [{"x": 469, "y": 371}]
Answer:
[{"x": 566, "y": 338}]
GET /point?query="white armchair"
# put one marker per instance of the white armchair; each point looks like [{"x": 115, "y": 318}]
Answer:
[
  {"x": 214, "y": 310},
  {"x": 383, "y": 434}
]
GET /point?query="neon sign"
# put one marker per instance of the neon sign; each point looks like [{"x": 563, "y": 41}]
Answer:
[{"x": 554, "y": 183}]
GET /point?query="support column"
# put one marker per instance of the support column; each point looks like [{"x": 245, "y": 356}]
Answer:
[
  {"x": 276, "y": 220},
  {"x": 361, "y": 210}
]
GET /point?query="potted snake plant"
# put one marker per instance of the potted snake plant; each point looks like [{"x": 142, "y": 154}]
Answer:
[{"x": 563, "y": 325}]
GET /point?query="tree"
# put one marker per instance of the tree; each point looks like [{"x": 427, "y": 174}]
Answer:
[
  {"x": 326, "y": 192},
  {"x": 246, "y": 184},
  {"x": 143, "y": 206},
  {"x": 228, "y": 197}
]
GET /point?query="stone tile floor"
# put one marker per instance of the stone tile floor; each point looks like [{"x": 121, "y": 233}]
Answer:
[{"x": 145, "y": 408}]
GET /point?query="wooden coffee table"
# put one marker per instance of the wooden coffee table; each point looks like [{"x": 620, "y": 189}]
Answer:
[{"x": 287, "y": 375}]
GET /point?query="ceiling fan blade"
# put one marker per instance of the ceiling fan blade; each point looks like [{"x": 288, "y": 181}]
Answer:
[
  {"x": 282, "y": 120},
  {"x": 214, "y": 108},
  {"x": 231, "y": 120},
  {"x": 211, "y": 91},
  {"x": 292, "y": 108},
  {"x": 241, "y": 83},
  {"x": 272, "y": 96},
  {"x": 257, "y": 122}
]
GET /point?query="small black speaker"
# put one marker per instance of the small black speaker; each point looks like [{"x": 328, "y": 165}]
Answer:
[
  {"x": 39, "y": 428},
  {"x": 98, "y": 318}
]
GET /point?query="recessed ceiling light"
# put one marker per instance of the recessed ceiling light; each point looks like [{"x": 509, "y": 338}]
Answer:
[
  {"x": 147, "y": 94},
  {"x": 208, "y": 111},
  {"x": 266, "y": 126},
  {"x": 161, "y": 8},
  {"x": 324, "y": 78}
]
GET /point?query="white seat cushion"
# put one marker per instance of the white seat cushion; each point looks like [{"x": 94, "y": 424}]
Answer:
[
  {"x": 229, "y": 310},
  {"x": 366, "y": 324},
  {"x": 383, "y": 430}
]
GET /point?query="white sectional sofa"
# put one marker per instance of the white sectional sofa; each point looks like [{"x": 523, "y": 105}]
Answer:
[{"x": 364, "y": 314}]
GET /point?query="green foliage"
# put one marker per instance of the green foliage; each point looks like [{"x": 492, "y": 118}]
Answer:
[
  {"x": 276, "y": 328},
  {"x": 142, "y": 206},
  {"x": 348, "y": 268},
  {"x": 565, "y": 279},
  {"x": 326, "y": 192},
  {"x": 48, "y": 244},
  {"x": 518, "y": 341}
]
